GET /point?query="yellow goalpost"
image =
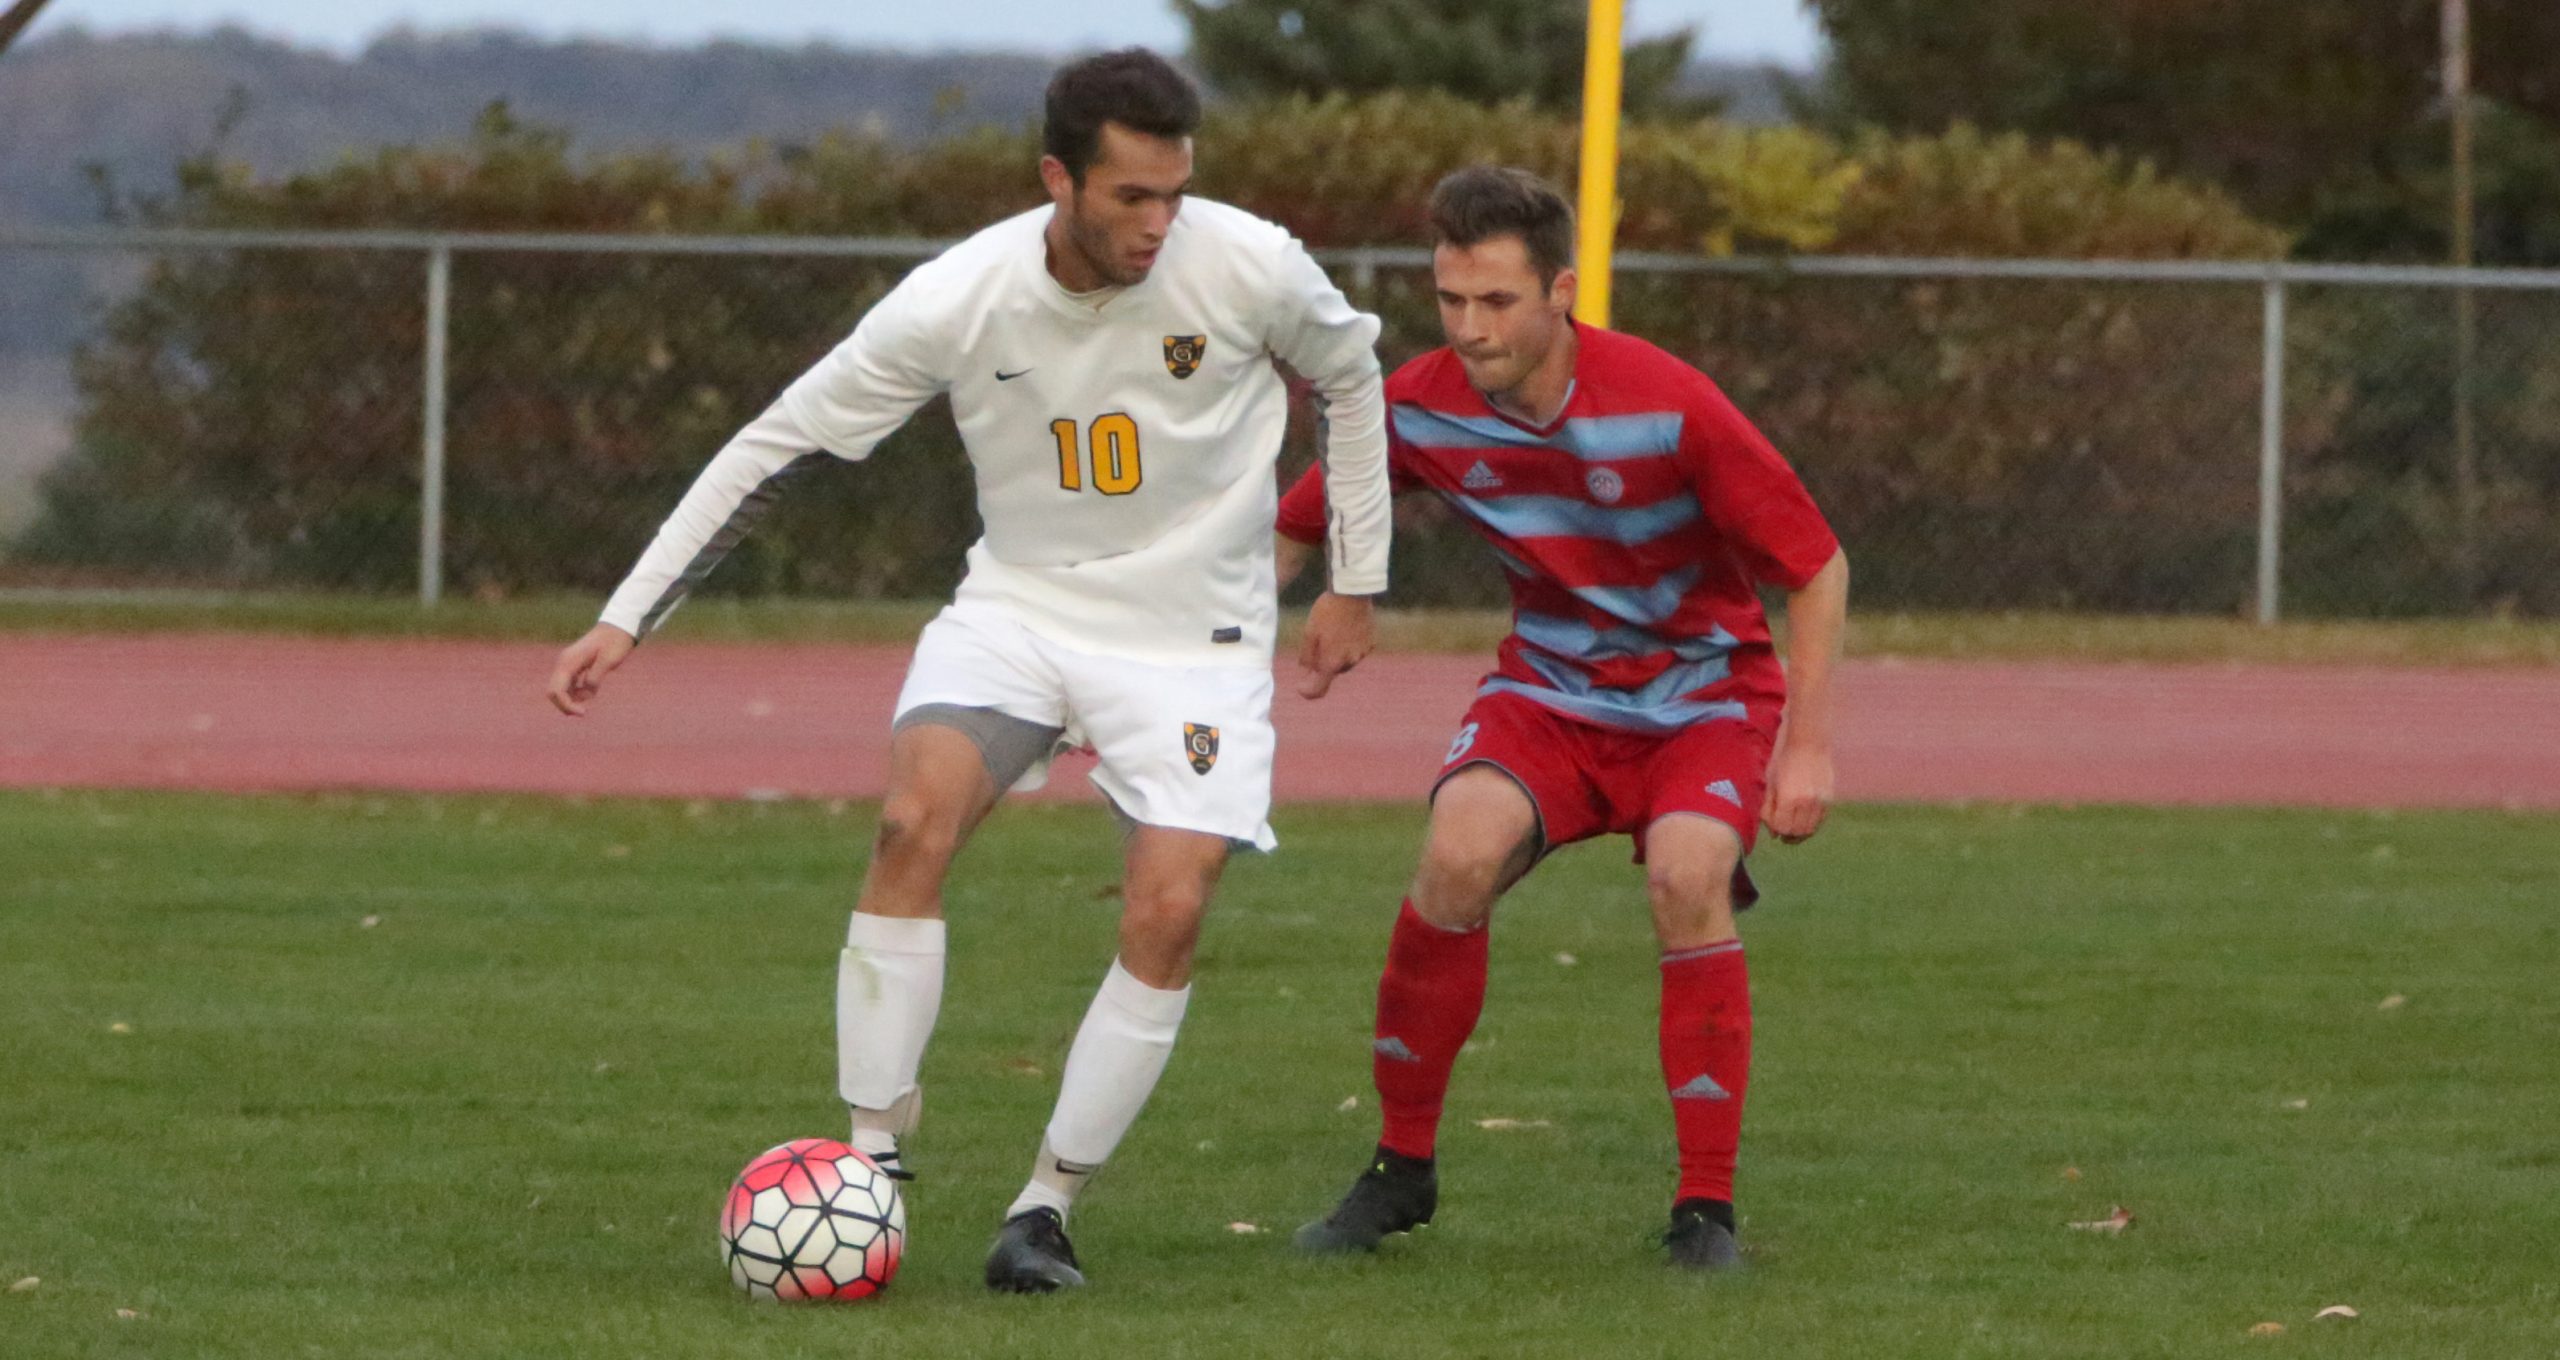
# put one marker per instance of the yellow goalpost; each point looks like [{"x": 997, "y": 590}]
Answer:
[{"x": 1599, "y": 198}]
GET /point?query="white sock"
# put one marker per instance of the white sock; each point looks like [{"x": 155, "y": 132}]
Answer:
[
  {"x": 1119, "y": 1052},
  {"x": 888, "y": 991}
]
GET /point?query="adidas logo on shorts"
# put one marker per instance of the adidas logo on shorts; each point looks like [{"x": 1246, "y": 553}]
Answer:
[{"x": 1724, "y": 789}]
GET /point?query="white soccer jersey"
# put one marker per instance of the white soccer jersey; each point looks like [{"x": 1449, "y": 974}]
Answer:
[{"x": 1123, "y": 451}]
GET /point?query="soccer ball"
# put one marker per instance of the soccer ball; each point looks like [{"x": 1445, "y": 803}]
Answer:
[{"x": 813, "y": 1219}]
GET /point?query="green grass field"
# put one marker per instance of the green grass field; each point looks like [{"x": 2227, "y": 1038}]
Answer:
[{"x": 497, "y": 1121}]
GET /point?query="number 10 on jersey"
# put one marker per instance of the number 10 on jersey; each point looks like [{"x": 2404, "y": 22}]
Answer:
[{"x": 1114, "y": 442}]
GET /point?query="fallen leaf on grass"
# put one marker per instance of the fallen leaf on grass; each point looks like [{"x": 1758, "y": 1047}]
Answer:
[
  {"x": 2392, "y": 1002},
  {"x": 1349, "y": 1103},
  {"x": 2337, "y": 1310},
  {"x": 25, "y": 1286},
  {"x": 617, "y": 852},
  {"x": 2071, "y": 1173},
  {"x": 1244, "y": 1229},
  {"x": 1499, "y": 1124},
  {"x": 2116, "y": 1221},
  {"x": 2267, "y": 1329},
  {"x": 119, "y": 1027},
  {"x": 1566, "y": 960},
  {"x": 128, "y": 1314},
  {"x": 2297, "y": 1104},
  {"x": 1023, "y": 1067},
  {"x": 369, "y": 923}
]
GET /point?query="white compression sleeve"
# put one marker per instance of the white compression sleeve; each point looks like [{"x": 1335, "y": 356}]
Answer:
[
  {"x": 888, "y": 991},
  {"x": 1119, "y": 1052}
]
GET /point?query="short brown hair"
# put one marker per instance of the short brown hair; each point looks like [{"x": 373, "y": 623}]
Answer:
[
  {"x": 1132, "y": 87},
  {"x": 1481, "y": 202}
]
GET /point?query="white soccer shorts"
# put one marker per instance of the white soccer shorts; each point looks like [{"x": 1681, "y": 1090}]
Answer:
[{"x": 1187, "y": 747}]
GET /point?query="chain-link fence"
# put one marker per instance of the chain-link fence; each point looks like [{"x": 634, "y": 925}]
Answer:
[{"x": 507, "y": 414}]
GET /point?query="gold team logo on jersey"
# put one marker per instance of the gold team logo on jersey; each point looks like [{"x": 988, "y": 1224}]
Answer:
[
  {"x": 1182, "y": 355},
  {"x": 1202, "y": 743}
]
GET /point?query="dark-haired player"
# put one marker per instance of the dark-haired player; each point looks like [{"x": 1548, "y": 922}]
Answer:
[
  {"x": 1635, "y": 513},
  {"x": 1109, "y": 363}
]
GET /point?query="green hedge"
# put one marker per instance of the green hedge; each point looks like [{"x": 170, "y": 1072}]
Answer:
[{"x": 252, "y": 418}]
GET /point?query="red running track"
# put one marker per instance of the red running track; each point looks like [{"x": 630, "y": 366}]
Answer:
[{"x": 720, "y": 721}]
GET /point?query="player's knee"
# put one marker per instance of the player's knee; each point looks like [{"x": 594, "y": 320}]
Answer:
[
  {"x": 1171, "y": 904},
  {"x": 916, "y": 834},
  {"x": 1162, "y": 920},
  {"x": 1688, "y": 888},
  {"x": 1458, "y": 879}
]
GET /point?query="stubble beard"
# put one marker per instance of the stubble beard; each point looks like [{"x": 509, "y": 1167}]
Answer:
[{"x": 1094, "y": 245}]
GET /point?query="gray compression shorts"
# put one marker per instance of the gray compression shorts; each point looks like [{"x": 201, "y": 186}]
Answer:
[{"x": 1009, "y": 745}]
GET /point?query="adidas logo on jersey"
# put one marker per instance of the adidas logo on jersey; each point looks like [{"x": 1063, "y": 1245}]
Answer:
[
  {"x": 1701, "y": 1087},
  {"x": 1481, "y": 478},
  {"x": 1724, "y": 789}
]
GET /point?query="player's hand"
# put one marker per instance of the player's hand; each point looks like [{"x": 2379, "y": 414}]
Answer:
[
  {"x": 1341, "y": 630},
  {"x": 1799, "y": 794},
  {"x": 584, "y": 664}
]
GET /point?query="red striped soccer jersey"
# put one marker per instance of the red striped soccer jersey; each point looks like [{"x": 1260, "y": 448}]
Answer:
[{"x": 1634, "y": 530}]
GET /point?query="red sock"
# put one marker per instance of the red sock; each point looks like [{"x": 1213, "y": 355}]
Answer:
[
  {"x": 1706, "y": 1062},
  {"x": 1428, "y": 1001}
]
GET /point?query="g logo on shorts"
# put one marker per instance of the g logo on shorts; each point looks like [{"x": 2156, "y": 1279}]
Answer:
[{"x": 1202, "y": 744}]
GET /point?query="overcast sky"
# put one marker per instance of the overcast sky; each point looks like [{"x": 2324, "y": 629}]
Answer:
[{"x": 1733, "y": 30}]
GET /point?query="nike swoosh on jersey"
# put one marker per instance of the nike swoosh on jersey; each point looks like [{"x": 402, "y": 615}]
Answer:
[{"x": 1002, "y": 376}]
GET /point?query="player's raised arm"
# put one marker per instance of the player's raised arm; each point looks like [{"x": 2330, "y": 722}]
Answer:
[
  {"x": 845, "y": 406},
  {"x": 1321, "y": 335}
]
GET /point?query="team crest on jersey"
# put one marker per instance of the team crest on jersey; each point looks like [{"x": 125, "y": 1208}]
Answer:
[
  {"x": 1605, "y": 484},
  {"x": 1182, "y": 355},
  {"x": 1202, "y": 744}
]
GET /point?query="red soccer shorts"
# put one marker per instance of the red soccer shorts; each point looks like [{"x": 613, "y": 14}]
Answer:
[{"x": 1588, "y": 781}]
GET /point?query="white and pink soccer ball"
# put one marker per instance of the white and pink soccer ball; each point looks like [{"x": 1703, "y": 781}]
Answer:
[{"x": 813, "y": 1219}]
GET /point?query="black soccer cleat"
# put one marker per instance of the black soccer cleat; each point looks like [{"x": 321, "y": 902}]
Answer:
[
  {"x": 891, "y": 1165},
  {"x": 1032, "y": 1255},
  {"x": 1397, "y": 1194},
  {"x": 1701, "y": 1238}
]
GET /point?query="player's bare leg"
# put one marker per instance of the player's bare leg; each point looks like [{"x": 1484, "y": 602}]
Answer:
[
  {"x": 1119, "y": 1051},
  {"x": 1706, "y": 1026},
  {"x": 1688, "y": 879},
  {"x": 889, "y": 979},
  {"x": 1484, "y": 837},
  {"x": 939, "y": 790},
  {"x": 1169, "y": 876}
]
